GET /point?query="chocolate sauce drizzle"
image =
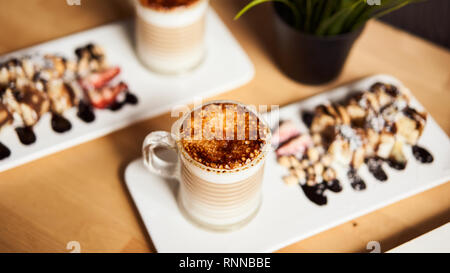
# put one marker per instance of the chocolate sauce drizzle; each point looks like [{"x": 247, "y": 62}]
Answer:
[
  {"x": 26, "y": 135},
  {"x": 334, "y": 185},
  {"x": 422, "y": 155},
  {"x": 60, "y": 124},
  {"x": 396, "y": 164},
  {"x": 85, "y": 112},
  {"x": 129, "y": 99},
  {"x": 374, "y": 164},
  {"x": 316, "y": 193},
  {"x": 4, "y": 151},
  {"x": 356, "y": 181},
  {"x": 307, "y": 118}
]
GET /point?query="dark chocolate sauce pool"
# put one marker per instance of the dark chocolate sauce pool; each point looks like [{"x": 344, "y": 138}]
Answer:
[
  {"x": 26, "y": 135},
  {"x": 116, "y": 106},
  {"x": 85, "y": 112},
  {"x": 375, "y": 167},
  {"x": 4, "y": 151},
  {"x": 316, "y": 193},
  {"x": 422, "y": 154},
  {"x": 129, "y": 99},
  {"x": 60, "y": 124},
  {"x": 334, "y": 186},
  {"x": 307, "y": 118},
  {"x": 355, "y": 180},
  {"x": 396, "y": 164}
]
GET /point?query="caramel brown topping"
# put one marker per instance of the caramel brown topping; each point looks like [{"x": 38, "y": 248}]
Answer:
[
  {"x": 223, "y": 136},
  {"x": 166, "y": 4}
]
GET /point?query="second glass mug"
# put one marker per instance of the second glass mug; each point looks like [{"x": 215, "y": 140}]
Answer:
[
  {"x": 171, "y": 40},
  {"x": 215, "y": 199}
]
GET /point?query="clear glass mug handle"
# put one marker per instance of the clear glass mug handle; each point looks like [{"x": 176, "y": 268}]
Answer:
[{"x": 162, "y": 140}]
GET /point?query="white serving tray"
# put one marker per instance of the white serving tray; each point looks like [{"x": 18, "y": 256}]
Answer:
[
  {"x": 226, "y": 67},
  {"x": 286, "y": 215}
]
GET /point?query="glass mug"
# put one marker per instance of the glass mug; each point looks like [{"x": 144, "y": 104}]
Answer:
[
  {"x": 171, "y": 39},
  {"x": 215, "y": 198}
]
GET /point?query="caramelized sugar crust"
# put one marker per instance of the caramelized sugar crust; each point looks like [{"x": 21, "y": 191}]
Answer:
[
  {"x": 166, "y": 4},
  {"x": 223, "y": 136}
]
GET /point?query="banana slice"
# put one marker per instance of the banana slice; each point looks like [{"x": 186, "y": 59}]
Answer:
[{"x": 397, "y": 159}]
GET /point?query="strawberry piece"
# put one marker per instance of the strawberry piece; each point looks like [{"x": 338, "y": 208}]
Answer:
[
  {"x": 99, "y": 79},
  {"x": 106, "y": 96},
  {"x": 296, "y": 146},
  {"x": 286, "y": 131}
]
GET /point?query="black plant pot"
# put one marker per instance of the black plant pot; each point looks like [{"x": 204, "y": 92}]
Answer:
[{"x": 307, "y": 58}]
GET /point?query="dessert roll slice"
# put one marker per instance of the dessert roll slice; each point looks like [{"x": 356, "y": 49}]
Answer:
[
  {"x": 387, "y": 88},
  {"x": 26, "y": 103},
  {"x": 410, "y": 125},
  {"x": 385, "y": 145},
  {"x": 397, "y": 159},
  {"x": 61, "y": 95},
  {"x": 332, "y": 110},
  {"x": 358, "y": 157},
  {"x": 4, "y": 74},
  {"x": 5, "y": 119},
  {"x": 10, "y": 71},
  {"x": 340, "y": 151},
  {"x": 322, "y": 120},
  {"x": 29, "y": 67},
  {"x": 385, "y": 93},
  {"x": 365, "y": 100},
  {"x": 48, "y": 68},
  {"x": 5, "y": 115},
  {"x": 356, "y": 114},
  {"x": 372, "y": 141},
  {"x": 318, "y": 178},
  {"x": 90, "y": 58}
]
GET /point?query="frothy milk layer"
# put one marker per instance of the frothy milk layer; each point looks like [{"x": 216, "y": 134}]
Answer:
[
  {"x": 171, "y": 41},
  {"x": 220, "y": 204},
  {"x": 174, "y": 17}
]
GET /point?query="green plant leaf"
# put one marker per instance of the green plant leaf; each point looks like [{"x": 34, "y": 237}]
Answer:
[
  {"x": 352, "y": 17},
  {"x": 391, "y": 9},
  {"x": 332, "y": 17},
  {"x": 257, "y": 2},
  {"x": 318, "y": 10},
  {"x": 337, "y": 19}
]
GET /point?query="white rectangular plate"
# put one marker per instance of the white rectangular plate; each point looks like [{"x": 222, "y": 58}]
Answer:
[
  {"x": 286, "y": 215},
  {"x": 226, "y": 67}
]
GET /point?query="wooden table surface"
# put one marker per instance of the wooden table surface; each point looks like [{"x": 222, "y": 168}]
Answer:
[{"x": 80, "y": 195}]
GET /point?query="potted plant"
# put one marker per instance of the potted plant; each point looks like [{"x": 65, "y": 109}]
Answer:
[{"x": 314, "y": 37}]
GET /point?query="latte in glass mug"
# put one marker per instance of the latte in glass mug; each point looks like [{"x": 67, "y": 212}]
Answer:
[
  {"x": 170, "y": 34},
  {"x": 221, "y": 147}
]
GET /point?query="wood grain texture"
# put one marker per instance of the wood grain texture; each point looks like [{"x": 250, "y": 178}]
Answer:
[{"x": 79, "y": 194}]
